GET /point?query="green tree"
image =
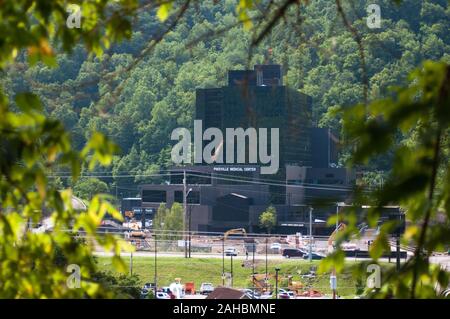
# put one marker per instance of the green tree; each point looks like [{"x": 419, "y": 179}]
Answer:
[
  {"x": 174, "y": 221},
  {"x": 124, "y": 286},
  {"x": 169, "y": 221},
  {"x": 268, "y": 218},
  {"x": 160, "y": 217},
  {"x": 88, "y": 188}
]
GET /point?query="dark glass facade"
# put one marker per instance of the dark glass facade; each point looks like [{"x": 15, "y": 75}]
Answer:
[{"x": 260, "y": 106}]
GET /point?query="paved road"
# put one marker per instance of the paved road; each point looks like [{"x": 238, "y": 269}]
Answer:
[{"x": 442, "y": 260}]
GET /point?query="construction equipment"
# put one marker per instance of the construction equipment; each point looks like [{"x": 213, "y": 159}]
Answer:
[
  {"x": 311, "y": 293},
  {"x": 295, "y": 286},
  {"x": 189, "y": 288},
  {"x": 137, "y": 234},
  {"x": 129, "y": 214},
  {"x": 259, "y": 280},
  {"x": 332, "y": 237},
  {"x": 231, "y": 232},
  {"x": 234, "y": 231}
]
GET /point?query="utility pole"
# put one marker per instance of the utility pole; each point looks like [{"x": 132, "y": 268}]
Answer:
[
  {"x": 253, "y": 274},
  {"x": 310, "y": 233},
  {"x": 189, "y": 229},
  {"x": 337, "y": 217},
  {"x": 398, "y": 251},
  {"x": 266, "y": 265},
  {"x": 156, "y": 268},
  {"x": 223, "y": 260},
  {"x": 333, "y": 278},
  {"x": 231, "y": 270},
  {"x": 184, "y": 212},
  {"x": 131, "y": 263},
  {"x": 333, "y": 283},
  {"x": 276, "y": 282}
]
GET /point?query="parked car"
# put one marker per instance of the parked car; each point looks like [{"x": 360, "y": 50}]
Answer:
[
  {"x": 291, "y": 294},
  {"x": 293, "y": 252},
  {"x": 165, "y": 289},
  {"x": 275, "y": 246},
  {"x": 144, "y": 293},
  {"x": 252, "y": 294},
  {"x": 168, "y": 291},
  {"x": 283, "y": 295},
  {"x": 286, "y": 294},
  {"x": 162, "y": 295},
  {"x": 206, "y": 288},
  {"x": 231, "y": 251},
  {"x": 314, "y": 256},
  {"x": 149, "y": 285},
  {"x": 266, "y": 295},
  {"x": 349, "y": 247}
]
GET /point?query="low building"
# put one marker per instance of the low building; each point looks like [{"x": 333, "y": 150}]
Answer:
[
  {"x": 227, "y": 293},
  {"x": 225, "y": 197}
]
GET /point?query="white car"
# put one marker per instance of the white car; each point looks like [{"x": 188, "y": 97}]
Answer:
[
  {"x": 285, "y": 292},
  {"x": 162, "y": 295},
  {"x": 266, "y": 295},
  {"x": 275, "y": 246},
  {"x": 206, "y": 288},
  {"x": 349, "y": 247},
  {"x": 231, "y": 251},
  {"x": 252, "y": 294}
]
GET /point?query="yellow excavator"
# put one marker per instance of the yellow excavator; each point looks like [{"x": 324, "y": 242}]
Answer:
[
  {"x": 235, "y": 231},
  {"x": 231, "y": 232},
  {"x": 332, "y": 237},
  {"x": 259, "y": 280},
  {"x": 295, "y": 286}
]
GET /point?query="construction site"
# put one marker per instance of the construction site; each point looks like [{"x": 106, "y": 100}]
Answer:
[{"x": 246, "y": 261}]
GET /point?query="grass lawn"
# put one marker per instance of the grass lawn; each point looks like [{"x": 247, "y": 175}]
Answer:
[{"x": 200, "y": 270}]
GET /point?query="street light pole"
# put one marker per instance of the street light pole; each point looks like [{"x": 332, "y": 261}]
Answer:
[
  {"x": 310, "y": 233},
  {"x": 337, "y": 216},
  {"x": 156, "y": 268},
  {"x": 185, "y": 216},
  {"x": 223, "y": 260},
  {"x": 397, "y": 239},
  {"x": 276, "y": 282},
  {"x": 333, "y": 283},
  {"x": 333, "y": 278},
  {"x": 131, "y": 263},
  {"x": 184, "y": 212},
  {"x": 253, "y": 271},
  {"x": 190, "y": 235},
  {"x": 231, "y": 270},
  {"x": 266, "y": 265}
]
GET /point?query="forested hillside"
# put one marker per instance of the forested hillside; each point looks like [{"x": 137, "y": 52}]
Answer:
[{"x": 139, "y": 105}]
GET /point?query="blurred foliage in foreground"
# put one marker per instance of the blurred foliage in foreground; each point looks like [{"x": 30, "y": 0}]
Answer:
[
  {"x": 419, "y": 181},
  {"x": 32, "y": 145}
]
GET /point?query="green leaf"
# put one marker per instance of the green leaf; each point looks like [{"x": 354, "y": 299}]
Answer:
[
  {"x": 28, "y": 101},
  {"x": 164, "y": 10}
]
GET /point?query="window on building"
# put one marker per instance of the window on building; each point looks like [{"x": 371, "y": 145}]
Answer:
[
  {"x": 193, "y": 197},
  {"x": 193, "y": 178},
  {"x": 154, "y": 196}
]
